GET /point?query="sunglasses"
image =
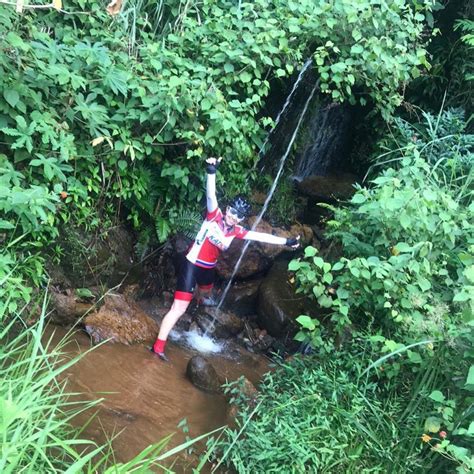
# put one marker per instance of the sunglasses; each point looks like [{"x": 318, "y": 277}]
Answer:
[{"x": 235, "y": 214}]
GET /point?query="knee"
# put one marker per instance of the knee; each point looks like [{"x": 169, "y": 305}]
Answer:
[{"x": 179, "y": 307}]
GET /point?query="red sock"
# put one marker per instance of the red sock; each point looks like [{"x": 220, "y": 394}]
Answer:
[{"x": 159, "y": 346}]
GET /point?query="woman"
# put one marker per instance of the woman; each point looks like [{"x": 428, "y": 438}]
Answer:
[{"x": 215, "y": 235}]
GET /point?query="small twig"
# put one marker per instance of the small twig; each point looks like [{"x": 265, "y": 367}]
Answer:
[{"x": 20, "y": 6}]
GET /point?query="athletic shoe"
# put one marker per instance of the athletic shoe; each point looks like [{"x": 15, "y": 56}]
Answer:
[
  {"x": 207, "y": 301},
  {"x": 161, "y": 355}
]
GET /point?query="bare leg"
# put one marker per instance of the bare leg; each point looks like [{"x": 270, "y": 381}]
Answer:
[{"x": 176, "y": 311}]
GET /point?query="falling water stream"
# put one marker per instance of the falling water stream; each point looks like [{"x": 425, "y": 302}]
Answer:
[
  {"x": 285, "y": 106},
  {"x": 274, "y": 185}
]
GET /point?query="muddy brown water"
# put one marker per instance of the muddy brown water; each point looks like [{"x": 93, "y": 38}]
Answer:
[{"x": 144, "y": 398}]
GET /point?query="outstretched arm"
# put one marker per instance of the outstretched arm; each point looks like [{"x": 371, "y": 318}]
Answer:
[
  {"x": 211, "y": 198},
  {"x": 292, "y": 242}
]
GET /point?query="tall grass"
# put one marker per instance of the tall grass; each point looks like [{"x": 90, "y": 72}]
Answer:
[
  {"x": 145, "y": 18},
  {"x": 442, "y": 141},
  {"x": 327, "y": 415},
  {"x": 36, "y": 411}
]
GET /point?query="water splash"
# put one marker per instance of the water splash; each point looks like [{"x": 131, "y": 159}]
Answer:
[{"x": 201, "y": 343}]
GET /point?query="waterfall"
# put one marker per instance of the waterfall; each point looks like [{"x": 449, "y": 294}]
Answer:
[
  {"x": 329, "y": 135},
  {"x": 283, "y": 109},
  {"x": 270, "y": 194}
]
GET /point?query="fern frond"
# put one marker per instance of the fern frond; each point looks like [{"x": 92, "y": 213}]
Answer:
[{"x": 187, "y": 223}]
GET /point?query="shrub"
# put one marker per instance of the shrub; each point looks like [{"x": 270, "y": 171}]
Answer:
[{"x": 320, "y": 415}]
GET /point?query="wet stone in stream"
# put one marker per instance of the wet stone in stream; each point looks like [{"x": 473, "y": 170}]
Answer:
[
  {"x": 203, "y": 375},
  {"x": 218, "y": 323}
]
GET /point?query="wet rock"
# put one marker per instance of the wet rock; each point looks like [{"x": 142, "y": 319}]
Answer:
[
  {"x": 67, "y": 307},
  {"x": 263, "y": 340},
  {"x": 255, "y": 339},
  {"x": 159, "y": 271},
  {"x": 92, "y": 259},
  {"x": 242, "y": 297},
  {"x": 259, "y": 256},
  {"x": 203, "y": 375},
  {"x": 121, "y": 320},
  {"x": 328, "y": 188},
  {"x": 57, "y": 277},
  {"x": 194, "y": 327},
  {"x": 278, "y": 305},
  {"x": 218, "y": 323},
  {"x": 254, "y": 262}
]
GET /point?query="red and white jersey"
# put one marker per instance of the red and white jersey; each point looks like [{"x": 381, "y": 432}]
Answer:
[{"x": 212, "y": 239}]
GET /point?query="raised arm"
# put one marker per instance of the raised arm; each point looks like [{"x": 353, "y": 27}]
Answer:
[
  {"x": 211, "y": 198},
  {"x": 292, "y": 242}
]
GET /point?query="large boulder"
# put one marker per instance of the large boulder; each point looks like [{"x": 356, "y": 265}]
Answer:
[
  {"x": 92, "y": 259},
  {"x": 121, "y": 320},
  {"x": 218, "y": 323},
  {"x": 242, "y": 297},
  {"x": 203, "y": 375},
  {"x": 278, "y": 304},
  {"x": 259, "y": 256},
  {"x": 67, "y": 307},
  {"x": 253, "y": 263}
]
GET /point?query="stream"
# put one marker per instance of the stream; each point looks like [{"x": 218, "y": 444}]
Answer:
[{"x": 144, "y": 398}]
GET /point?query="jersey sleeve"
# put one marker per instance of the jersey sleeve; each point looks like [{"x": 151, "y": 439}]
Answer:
[
  {"x": 211, "y": 198},
  {"x": 240, "y": 232},
  {"x": 213, "y": 215}
]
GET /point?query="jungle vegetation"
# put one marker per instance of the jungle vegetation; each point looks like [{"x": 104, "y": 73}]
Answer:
[{"x": 108, "y": 118}]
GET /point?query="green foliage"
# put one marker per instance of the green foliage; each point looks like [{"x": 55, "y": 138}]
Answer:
[
  {"x": 450, "y": 78},
  {"x": 467, "y": 27},
  {"x": 14, "y": 289},
  {"x": 77, "y": 104},
  {"x": 321, "y": 415},
  {"x": 188, "y": 224},
  {"x": 407, "y": 239},
  {"x": 28, "y": 206},
  {"x": 406, "y": 276},
  {"x": 100, "y": 115},
  {"x": 442, "y": 141},
  {"x": 341, "y": 412},
  {"x": 409, "y": 254}
]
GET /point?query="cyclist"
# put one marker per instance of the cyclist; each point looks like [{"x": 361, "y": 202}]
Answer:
[{"x": 215, "y": 235}]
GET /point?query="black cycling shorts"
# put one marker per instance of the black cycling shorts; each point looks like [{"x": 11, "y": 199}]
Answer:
[{"x": 189, "y": 275}]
